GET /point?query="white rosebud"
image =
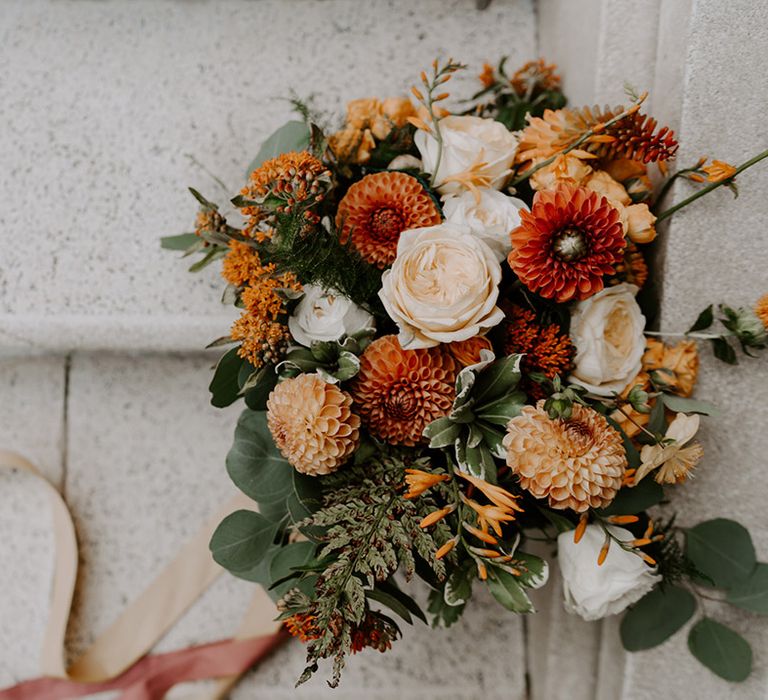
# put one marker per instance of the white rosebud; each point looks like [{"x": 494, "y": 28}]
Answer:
[
  {"x": 326, "y": 315},
  {"x": 607, "y": 330},
  {"x": 595, "y": 591},
  {"x": 475, "y": 151},
  {"x": 489, "y": 214}
]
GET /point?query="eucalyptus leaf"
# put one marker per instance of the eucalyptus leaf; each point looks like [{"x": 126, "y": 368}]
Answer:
[
  {"x": 721, "y": 549},
  {"x": 680, "y": 404},
  {"x": 258, "y": 388},
  {"x": 721, "y": 650},
  {"x": 292, "y": 136},
  {"x": 752, "y": 594},
  {"x": 255, "y": 464},
  {"x": 241, "y": 540},
  {"x": 224, "y": 386},
  {"x": 656, "y": 617},
  {"x": 283, "y": 565}
]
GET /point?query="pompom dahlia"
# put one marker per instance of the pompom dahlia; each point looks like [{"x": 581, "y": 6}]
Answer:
[
  {"x": 378, "y": 208},
  {"x": 399, "y": 392},
  {"x": 312, "y": 424},
  {"x": 577, "y": 463},
  {"x": 569, "y": 240}
]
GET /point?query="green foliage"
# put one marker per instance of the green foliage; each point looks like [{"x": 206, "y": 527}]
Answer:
[
  {"x": 369, "y": 532},
  {"x": 752, "y": 593},
  {"x": 721, "y": 650},
  {"x": 508, "y": 590},
  {"x": 722, "y": 550},
  {"x": 443, "y": 614},
  {"x": 486, "y": 399},
  {"x": 224, "y": 386},
  {"x": 656, "y": 617},
  {"x": 258, "y": 469},
  {"x": 183, "y": 241},
  {"x": 703, "y": 321},
  {"x": 635, "y": 499},
  {"x": 315, "y": 255},
  {"x": 241, "y": 540},
  {"x": 292, "y": 136},
  {"x": 335, "y": 361},
  {"x": 680, "y": 404}
]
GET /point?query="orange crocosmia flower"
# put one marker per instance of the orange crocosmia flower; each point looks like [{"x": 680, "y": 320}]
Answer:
[
  {"x": 567, "y": 243},
  {"x": 419, "y": 481},
  {"x": 719, "y": 170}
]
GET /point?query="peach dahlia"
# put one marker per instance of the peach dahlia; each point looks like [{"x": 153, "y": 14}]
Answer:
[
  {"x": 569, "y": 240},
  {"x": 378, "y": 208}
]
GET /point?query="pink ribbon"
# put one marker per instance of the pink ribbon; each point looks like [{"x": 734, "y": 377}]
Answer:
[{"x": 151, "y": 677}]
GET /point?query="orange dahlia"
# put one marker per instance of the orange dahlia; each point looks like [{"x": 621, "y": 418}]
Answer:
[
  {"x": 378, "y": 208},
  {"x": 569, "y": 240},
  {"x": 545, "y": 348},
  {"x": 399, "y": 392},
  {"x": 577, "y": 463},
  {"x": 761, "y": 309}
]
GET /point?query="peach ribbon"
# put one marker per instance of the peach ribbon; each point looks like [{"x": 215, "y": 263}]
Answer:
[{"x": 117, "y": 659}]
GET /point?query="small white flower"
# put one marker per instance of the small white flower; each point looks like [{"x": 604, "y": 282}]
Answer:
[
  {"x": 442, "y": 287},
  {"x": 489, "y": 214},
  {"x": 476, "y": 152},
  {"x": 607, "y": 330},
  {"x": 593, "y": 591},
  {"x": 324, "y": 314}
]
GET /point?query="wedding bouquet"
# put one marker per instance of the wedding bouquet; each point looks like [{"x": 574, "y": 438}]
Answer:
[{"x": 444, "y": 356}]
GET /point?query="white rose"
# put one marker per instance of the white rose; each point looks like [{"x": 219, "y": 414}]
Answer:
[
  {"x": 442, "y": 286},
  {"x": 593, "y": 591},
  {"x": 324, "y": 314},
  {"x": 489, "y": 214},
  {"x": 475, "y": 150},
  {"x": 607, "y": 330}
]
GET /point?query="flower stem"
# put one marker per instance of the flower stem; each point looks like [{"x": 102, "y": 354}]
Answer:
[
  {"x": 697, "y": 336},
  {"x": 598, "y": 128},
  {"x": 712, "y": 186},
  {"x": 636, "y": 424}
]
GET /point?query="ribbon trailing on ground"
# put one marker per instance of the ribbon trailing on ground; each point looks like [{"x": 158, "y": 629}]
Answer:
[{"x": 118, "y": 659}]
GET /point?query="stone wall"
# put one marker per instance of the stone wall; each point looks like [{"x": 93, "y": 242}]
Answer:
[{"x": 110, "y": 108}]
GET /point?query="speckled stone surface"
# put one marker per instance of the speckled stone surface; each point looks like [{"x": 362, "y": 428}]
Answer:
[
  {"x": 717, "y": 250},
  {"x": 103, "y": 104},
  {"x": 31, "y": 423}
]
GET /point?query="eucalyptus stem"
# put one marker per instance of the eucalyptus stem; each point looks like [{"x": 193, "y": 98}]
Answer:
[
  {"x": 698, "y": 336},
  {"x": 712, "y": 186},
  {"x": 598, "y": 128}
]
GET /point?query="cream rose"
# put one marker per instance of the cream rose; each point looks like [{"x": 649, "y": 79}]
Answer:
[
  {"x": 475, "y": 151},
  {"x": 489, "y": 214},
  {"x": 593, "y": 591},
  {"x": 607, "y": 330},
  {"x": 324, "y": 314},
  {"x": 442, "y": 286}
]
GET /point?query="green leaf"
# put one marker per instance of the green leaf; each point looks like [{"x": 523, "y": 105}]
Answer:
[
  {"x": 680, "y": 404},
  {"x": 292, "y": 136},
  {"x": 721, "y": 650},
  {"x": 284, "y": 563},
  {"x": 656, "y": 617},
  {"x": 561, "y": 523},
  {"x": 441, "y": 433},
  {"x": 704, "y": 320},
  {"x": 503, "y": 409},
  {"x": 410, "y": 604},
  {"x": 241, "y": 540},
  {"x": 458, "y": 587},
  {"x": 493, "y": 438},
  {"x": 257, "y": 394},
  {"x": 497, "y": 379},
  {"x": 213, "y": 254},
  {"x": 722, "y": 550},
  {"x": 534, "y": 571},
  {"x": 507, "y": 590},
  {"x": 304, "y": 498},
  {"x": 752, "y": 594},
  {"x": 442, "y": 613},
  {"x": 631, "y": 500},
  {"x": 181, "y": 242},
  {"x": 224, "y": 386},
  {"x": 255, "y": 464},
  {"x": 724, "y": 351}
]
